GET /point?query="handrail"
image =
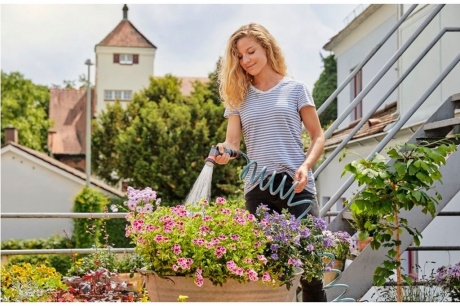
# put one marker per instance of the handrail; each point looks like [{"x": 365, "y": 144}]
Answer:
[
  {"x": 64, "y": 215},
  {"x": 63, "y": 251},
  {"x": 131, "y": 250},
  {"x": 393, "y": 131},
  {"x": 366, "y": 59},
  {"x": 385, "y": 96},
  {"x": 382, "y": 71}
]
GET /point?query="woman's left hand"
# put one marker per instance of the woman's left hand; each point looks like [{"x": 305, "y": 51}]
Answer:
[{"x": 301, "y": 175}]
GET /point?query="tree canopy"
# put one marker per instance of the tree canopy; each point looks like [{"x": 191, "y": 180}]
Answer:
[
  {"x": 25, "y": 106},
  {"x": 324, "y": 87}
]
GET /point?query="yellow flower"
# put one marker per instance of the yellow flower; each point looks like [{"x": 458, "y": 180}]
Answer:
[{"x": 182, "y": 298}]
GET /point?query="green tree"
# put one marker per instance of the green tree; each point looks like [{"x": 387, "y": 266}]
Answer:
[
  {"x": 324, "y": 87},
  {"x": 104, "y": 138},
  {"x": 162, "y": 139},
  {"x": 25, "y": 106}
]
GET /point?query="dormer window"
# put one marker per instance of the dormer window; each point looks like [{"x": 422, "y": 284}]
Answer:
[{"x": 126, "y": 59}]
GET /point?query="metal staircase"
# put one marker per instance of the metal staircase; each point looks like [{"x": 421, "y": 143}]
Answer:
[{"x": 358, "y": 276}]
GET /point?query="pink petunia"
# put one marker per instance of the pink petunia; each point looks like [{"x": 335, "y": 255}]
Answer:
[
  {"x": 176, "y": 249},
  {"x": 262, "y": 259},
  {"x": 158, "y": 238},
  {"x": 266, "y": 277},
  {"x": 220, "y": 200}
]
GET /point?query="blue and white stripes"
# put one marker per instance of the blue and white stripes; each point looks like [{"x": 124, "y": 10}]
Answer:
[{"x": 272, "y": 128}]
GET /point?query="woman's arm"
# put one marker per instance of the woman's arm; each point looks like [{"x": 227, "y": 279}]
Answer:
[
  {"x": 232, "y": 139},
  {"x": 311, "y": 121}
]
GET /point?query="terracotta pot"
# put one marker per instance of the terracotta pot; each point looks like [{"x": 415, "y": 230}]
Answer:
[
  {"x": 363, "y": 243},
  {"x": 133, "y": 284},
  {"x": 169, "y": 288},
  {"x": 330, "y": 276}
]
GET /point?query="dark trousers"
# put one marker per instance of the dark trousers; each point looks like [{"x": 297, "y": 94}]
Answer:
[{"x": 311, "y": 291}]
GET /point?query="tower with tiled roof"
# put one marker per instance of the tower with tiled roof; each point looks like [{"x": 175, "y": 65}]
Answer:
[{"x": 124, "y": 63}]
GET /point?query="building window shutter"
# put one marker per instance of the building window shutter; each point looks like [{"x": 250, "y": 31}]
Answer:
[
  {"x": 116, "y": 58},
  {"x": 135, "y": 58}
]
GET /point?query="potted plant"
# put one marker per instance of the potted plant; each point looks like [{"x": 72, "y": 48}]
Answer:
[
  {"x": 126, "y": 269},
  {"x": 393, "y": 187},
  {"x": 207, "y": 251},
  {"x": 340, "y": 249},
  {"x": 448, "y": 277},
  {"x": 363, "y": 222}
]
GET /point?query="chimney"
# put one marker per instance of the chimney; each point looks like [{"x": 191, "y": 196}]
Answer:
[
  {"x": 125, "y": 12},
  {"x": 11, "y": 134}
]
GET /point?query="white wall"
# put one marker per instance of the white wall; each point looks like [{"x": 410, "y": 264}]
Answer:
[
  {"x": 356, "y": 46},
  {"x": 31, "y": 185},
  {"x": 114, "y": 76},
  {"x": 433, "y": 63}
]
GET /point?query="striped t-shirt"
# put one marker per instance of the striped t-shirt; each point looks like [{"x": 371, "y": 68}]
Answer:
[{"x": 272, "y": 128}]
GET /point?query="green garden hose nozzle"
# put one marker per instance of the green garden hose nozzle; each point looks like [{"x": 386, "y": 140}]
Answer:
[{"x": 211, "y": 159}]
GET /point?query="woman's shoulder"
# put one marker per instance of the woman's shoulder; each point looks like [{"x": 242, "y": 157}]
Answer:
[{"x": 296, "y": 84}]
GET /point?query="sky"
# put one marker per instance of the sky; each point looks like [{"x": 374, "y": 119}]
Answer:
[{"x": 49, "y": 43}]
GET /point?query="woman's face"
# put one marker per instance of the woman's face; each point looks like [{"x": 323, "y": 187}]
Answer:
[{"x": 252, "y": 56}]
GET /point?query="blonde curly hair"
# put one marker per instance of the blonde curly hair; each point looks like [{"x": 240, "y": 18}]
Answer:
[{"x": 233, "y": 79}]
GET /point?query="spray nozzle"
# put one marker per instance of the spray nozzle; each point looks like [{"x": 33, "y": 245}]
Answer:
[{"x": 211, "y": 159}]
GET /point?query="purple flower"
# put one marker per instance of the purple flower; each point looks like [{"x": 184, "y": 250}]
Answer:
[
  {"x": 274, "y": 256},
  {"x": 274, "y": 247},
  {"x": 310, "y": 247}
]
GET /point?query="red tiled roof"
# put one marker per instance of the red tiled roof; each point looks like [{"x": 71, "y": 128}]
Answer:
[
  {"x": 68, "y": 110},
  {"x": 187, "y": 84},
  {"x": 64, "y": 167},
  {"x": 374, "y": 125},
  {"x": 126, "y": 35}
]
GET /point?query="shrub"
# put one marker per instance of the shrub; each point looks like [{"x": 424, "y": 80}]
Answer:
[
  {"x": 87, "y": 231},
  {"x": 59, "y": 262}
]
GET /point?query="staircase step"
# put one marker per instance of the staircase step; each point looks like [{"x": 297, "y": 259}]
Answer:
[
  {"x": 433, "y": 141},
  {"x": 441, "y": 124},
  {"x": 456, "y": 98}
]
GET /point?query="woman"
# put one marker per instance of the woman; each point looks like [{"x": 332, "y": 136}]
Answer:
[{"x": 268, "y": 108}]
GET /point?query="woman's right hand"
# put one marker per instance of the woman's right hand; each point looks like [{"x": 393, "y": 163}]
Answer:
[{"x": 224, "y": 157}]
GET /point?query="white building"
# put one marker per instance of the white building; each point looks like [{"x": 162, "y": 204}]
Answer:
[
  {"x": 350, "y": 46},
  {"x": 124, "y": 63},
  {"x": 33, "y": 182}
]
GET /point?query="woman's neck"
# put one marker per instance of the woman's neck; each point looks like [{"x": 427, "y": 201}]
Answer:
[{"x": 266, "y": 80}]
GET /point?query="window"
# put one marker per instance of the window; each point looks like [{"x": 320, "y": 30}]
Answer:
[
  {"x": 123, "y": 95},
  {"x": 357, "y": 87},
  {"x": 126, "y": 59}
]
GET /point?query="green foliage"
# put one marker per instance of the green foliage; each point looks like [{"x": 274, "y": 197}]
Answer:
[
  {"x": 105, "y": 157},
  {"x": 59, "y": 262},
  {"x": 29, "y": 283},
  {"x": 99, "y": 258},
  {"x": 115, "y": 228},
  {"x": 162, "y": 139},
  {"x": 424, "y": 289},
  {"x": 88, "y": 231},
  {"x": 25, "y": 106},
  {"x": 391, "y": 188},
  {"x": 361, "y": 219},
  {"x": 324, "y": 87},
  {"x": 54, "y": 242}
]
